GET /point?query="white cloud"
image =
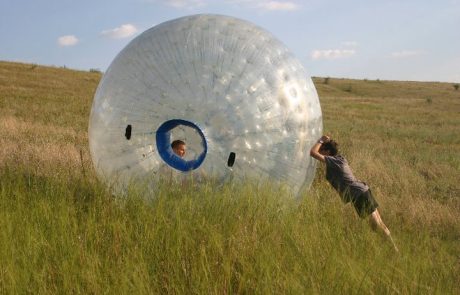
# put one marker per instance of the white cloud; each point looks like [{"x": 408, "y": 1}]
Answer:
[
  {"x": 185, "y": 3},
  {"x": 67, "y": 40},
  {"x": 123, "y": 31},
  {"x": 278, "y": 5},
  {"x": 405, "y": 53},
  {"x": 332, "y": 53},
  {"x": 267, "y": 5},
  {"x": 254, "y": 4}
]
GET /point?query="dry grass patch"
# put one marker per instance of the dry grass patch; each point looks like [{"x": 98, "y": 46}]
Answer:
[{"x": 46, "y": 149}]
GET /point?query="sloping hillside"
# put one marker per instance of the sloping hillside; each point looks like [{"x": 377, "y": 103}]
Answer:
[{"x": 63, "y": 232}]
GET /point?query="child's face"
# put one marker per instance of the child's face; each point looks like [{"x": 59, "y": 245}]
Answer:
[{"x": 180, "y": 150}]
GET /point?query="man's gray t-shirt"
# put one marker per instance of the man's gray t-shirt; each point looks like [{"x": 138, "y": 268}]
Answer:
[{"x": 339, "y": 175}]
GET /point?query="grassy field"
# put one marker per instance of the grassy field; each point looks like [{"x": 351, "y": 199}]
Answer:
[{"x": 62, "y": 232}]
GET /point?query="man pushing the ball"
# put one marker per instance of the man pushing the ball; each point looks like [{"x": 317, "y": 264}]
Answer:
[{"x": 340, "y": 176}]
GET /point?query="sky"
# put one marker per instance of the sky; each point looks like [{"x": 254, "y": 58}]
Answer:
[{"x": 406, "y": 40}]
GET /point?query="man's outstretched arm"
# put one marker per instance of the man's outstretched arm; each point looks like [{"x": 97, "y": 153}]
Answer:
[{"x": 314, "y": 152}]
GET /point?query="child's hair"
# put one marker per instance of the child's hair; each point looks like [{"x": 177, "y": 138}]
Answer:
[
  {"x": 331, "y": 146},
  {"x": 177, "y": 143}
]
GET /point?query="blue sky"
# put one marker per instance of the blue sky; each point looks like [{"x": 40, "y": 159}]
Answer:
[{"x": 386, "y": 39}]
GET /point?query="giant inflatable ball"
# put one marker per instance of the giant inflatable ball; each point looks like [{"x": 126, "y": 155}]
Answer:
[{"x": 241, "y": 101}]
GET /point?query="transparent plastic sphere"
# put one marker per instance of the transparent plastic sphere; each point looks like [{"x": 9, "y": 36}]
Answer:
[{"x": 242, "y": 103}]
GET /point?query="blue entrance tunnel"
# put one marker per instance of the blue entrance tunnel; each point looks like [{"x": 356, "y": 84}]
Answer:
[{"x": 163, "y": 139}]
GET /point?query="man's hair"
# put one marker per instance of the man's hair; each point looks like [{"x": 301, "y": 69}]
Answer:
[
  {"x": 177, "y": 143},
  {"x": 331, "y": 146}
]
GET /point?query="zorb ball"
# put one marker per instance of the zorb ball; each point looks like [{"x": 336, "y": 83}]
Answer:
[{"x": 238, "y": 98}]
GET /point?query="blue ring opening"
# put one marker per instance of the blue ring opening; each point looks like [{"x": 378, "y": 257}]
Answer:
[{"x": 163, "y": 139}]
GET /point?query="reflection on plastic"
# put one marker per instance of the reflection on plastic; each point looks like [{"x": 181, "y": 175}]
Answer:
[{"x": 243, "y": 88}]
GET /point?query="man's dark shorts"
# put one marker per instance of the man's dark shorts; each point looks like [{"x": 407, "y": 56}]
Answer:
[{"x": 365, "y": 204}]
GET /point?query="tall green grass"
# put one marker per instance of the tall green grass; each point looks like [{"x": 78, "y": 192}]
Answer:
[{"x": 70, "y": 235}]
